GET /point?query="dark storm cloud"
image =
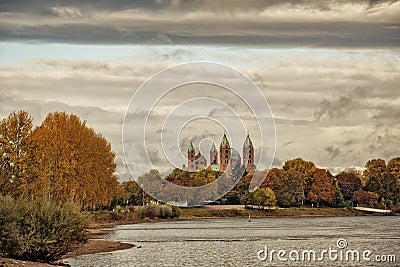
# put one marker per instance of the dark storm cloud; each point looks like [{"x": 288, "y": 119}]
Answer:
[
  {"x": 335, "y": 109},
  {"x": 333, "y": 152},
  {"x": 253, "y": 23},
  {"x": 341, "y": 106}
]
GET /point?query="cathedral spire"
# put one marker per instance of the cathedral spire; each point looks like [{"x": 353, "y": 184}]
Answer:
[
  {"x": 213, "y": 148},
  {"x": 224, "y": 142},
  {"x": 190, "y": 148},
  {"x": 248, "y": 142}
]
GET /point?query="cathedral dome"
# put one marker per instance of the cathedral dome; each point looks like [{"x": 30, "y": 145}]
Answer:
[{"x": 234, "y": 154}]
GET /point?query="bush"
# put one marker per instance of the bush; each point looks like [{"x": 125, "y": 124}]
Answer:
[
  {"x": 9, "y": 228},
  {"x": 43, "y": 230},
  {"x": 159, "y": 211},
  {"x": 176, "y": 212},
  {"x": 151, "y": 211},
  {"x": 165, "y": 211}
]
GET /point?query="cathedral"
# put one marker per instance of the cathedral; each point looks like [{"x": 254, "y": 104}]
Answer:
[{"x": 228, "y": 157}]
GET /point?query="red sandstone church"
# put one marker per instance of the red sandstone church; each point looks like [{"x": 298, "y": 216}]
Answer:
[{"x": 227, "y": 157}]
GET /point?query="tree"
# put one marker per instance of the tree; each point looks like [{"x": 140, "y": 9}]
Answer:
[
  {"x": 305, "y": 169},
  {"x": 258, "y": 197},
  {"x": 338, "y": 200},
  {"x": 374, "y": 173},
  {"x": 367, "y": 198},
  {"x": 393, "y": 167},
  {"x": 390, "y": 189},
  {"x": 270, "y": 200},
  {"x": 71, "y": 162},
  {"x": 287, "y": 186},
  {"x": 15, "y": 132},
  {"x": 348, "y": 182},
  {"x": 322, "y": 188},
  {"x": 132, "y": 194}
]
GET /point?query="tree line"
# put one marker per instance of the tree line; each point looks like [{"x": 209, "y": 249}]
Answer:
[
  {"x": 62, "y": 159},
  {"x": 298, "y": 182}
]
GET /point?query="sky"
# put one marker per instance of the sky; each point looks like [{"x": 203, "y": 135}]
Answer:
[{"x": 328, "y": 69}]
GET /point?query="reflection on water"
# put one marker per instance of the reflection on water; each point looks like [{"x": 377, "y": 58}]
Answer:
[{"x": 235, "y": 242}]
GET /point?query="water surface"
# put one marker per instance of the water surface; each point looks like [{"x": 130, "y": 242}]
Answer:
[{"x": 236, "y": 242}]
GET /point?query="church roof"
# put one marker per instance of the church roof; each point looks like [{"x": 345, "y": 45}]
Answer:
[
  {"x": 190, "y": 148},
  {"x": 248, "y": 142},
  {"x": 224, "y": 142}
]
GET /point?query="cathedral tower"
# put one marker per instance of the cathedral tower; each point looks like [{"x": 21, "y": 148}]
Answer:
[
  {"x": 224, "y": 153},
  {"x": 213, "y": 155},
  {"x": 191, "y": 157},
  {"x": 248, "y": 155}
]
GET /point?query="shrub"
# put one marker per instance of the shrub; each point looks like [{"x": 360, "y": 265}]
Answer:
[
  {"x": 159, "y": 211},
  {"x": 176, "y": 212},
  {"x": 116, "y": 216},
  {"x": 165, "y": 211},
  {"x": 9, "y": 228},
  {"x": 43, "y": 230},
  {"x": 151, "y": 211}
]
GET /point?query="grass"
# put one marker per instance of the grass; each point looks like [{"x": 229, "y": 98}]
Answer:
[{"x": 200, "y": 212}]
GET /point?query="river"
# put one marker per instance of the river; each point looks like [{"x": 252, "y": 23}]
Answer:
[{"x": 237, "y": 242}]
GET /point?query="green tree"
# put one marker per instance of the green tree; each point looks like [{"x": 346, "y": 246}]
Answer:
[
  {"x": 305, "y": 169},
  {"x": 270, "y": 200},
  {"x": 374, "y": 174},
  {"x": 258, "y": 198},
  {"x": 390, "y": 189},
  {"x": 287, "y": 186},
  {"x": 338, "y": 200}
]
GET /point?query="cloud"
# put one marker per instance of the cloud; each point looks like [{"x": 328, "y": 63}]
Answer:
[
  {"x": 333, "y": 106},
  {"x": 258, "y": 23},
  {"x": 335, "y": 109},
  {"x": 66, "y": 12},
  {"x": 388, "y": 113},
  {"x": 288, "y": 143},
  {"x": 332, "y": 151}
]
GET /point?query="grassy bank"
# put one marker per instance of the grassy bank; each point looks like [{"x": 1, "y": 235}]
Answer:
[
  {"x": 201, "y": 212},
  {"x": 101, "y": 219}
]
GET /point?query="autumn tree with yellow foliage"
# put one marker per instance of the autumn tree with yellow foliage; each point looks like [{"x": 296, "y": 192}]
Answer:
[
  {"x": 15, "y": 134},
  {"x": 62, "y": 160}
]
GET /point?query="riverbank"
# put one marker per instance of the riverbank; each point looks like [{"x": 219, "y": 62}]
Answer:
[
  {"x": 233, "y": 211},
  {"x": 103, "y": 219}
]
